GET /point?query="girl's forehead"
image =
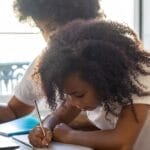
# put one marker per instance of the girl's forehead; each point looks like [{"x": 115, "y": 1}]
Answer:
[
  {"x": 74, "y": 81},
  {"x": 73, "y": 78}
]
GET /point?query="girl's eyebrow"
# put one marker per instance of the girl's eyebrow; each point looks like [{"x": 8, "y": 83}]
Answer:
[
  {"x": 72, "y": 93},
  {"x": 76, "y": 92}
]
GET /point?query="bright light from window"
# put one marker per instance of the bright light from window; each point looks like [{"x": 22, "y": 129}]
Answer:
[
  {"x": 17, "y": 47},
  {"x": 25, "y": 47},
  {"x": 119, "y": 10}
]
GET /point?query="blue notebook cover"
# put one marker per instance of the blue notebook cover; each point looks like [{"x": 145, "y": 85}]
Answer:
[{"x": 19, "y": 126}]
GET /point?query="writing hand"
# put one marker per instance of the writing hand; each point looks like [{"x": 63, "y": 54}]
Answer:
[{"x": 37, "y": 139}]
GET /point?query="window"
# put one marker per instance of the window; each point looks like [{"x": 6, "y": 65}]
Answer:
[
  {"x": 19, "y": 45},
  {"x": 145, "y": 7},
  {"x": 119, "y": 10},
  {"x": 133, "y": 12},
  {"x": 17, "y": 39}
]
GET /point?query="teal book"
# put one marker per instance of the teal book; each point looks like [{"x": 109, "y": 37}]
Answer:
[{"x": 19, "y": 126}]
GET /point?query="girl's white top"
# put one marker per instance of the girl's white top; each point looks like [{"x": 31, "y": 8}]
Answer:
[{"x": 99, "y": 119}]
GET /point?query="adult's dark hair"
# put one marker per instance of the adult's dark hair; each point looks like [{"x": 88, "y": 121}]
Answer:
[
  {"x": 106, "y": 54},
  {"x": 58, "y": 11}
]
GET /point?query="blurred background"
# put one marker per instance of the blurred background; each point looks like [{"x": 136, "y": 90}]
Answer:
[{"x": 20, "y": 43}]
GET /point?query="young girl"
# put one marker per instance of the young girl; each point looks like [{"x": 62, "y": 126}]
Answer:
[{"x": 99, "y": 67}]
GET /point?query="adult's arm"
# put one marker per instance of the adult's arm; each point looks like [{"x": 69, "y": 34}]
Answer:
[
  {"x": 21, "y": 103},
  {"x": 14, "y": 109}
]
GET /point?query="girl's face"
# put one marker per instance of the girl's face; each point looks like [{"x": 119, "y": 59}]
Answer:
[{"x": 81, "y": 93}]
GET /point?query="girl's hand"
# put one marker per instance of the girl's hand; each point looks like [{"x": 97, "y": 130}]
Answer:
[
  {"x": 37, "y": 139},
  {"x": 61, "y": 133}
]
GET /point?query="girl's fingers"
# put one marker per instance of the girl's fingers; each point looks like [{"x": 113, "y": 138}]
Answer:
[
  {"x": 36, "y": 141},
  {"x": 47, "y": 139},
  {"x": 37, "y": 138}
]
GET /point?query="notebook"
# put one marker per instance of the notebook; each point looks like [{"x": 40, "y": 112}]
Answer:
[
  {"x": 6, "y": 143},
  {"x": 19, "y": 126}
]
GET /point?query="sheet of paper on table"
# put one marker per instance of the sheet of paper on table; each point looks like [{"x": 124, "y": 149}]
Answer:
[
  {"x": 23, "y": 139},
  {"x": 61, "y": 146},
  {"x": 53, "y": 145},
  {"x": 6, "y": 143}
]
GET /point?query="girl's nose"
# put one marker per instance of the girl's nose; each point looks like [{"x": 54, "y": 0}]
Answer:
[{"x": 76, "y": 103}]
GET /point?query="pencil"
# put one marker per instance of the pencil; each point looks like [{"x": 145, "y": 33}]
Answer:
[{"x": 39, "y": 116}]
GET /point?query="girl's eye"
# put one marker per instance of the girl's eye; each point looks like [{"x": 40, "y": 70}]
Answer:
[{"x": 79, "y": 95}]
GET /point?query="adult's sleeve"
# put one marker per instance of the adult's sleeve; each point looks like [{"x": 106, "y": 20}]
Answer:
[{"x": 25, "y": 91}]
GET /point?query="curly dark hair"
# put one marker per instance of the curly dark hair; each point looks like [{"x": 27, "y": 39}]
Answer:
[
  {"x": 58, "y": 11},
  {"x": 107, "y": 54}
]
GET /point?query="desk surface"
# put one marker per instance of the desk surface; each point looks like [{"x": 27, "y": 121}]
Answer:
[
  {"x": 22, "y": 146},
  {"x": 61, "y": 146},
  {"x": 53, "y": 145}
]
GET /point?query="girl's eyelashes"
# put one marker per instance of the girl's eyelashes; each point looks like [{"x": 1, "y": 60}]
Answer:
[
  {"x": 76, "y": 94},
  {"x": 79, "y": 95}
]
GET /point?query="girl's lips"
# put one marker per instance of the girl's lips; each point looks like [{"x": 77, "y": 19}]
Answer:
[{"x": 88, "y": 108}]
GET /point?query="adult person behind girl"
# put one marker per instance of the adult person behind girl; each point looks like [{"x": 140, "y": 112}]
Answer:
[
  {"x": 103, "y": 71},
  {"x": 48, "y": 15}
]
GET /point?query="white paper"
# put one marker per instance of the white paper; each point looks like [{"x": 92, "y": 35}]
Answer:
[
  {"x": 7, "y": 142},
  {"x": 53, "y": 145}
]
